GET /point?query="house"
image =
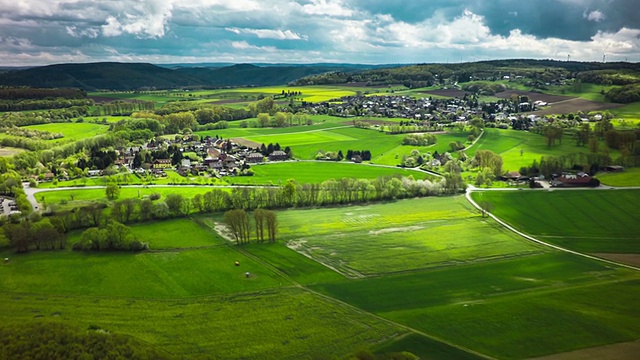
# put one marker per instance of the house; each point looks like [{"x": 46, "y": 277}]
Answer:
[
  {"x": 186, "y": 163},
  {"x": 575, "y": 180},
  {"x": 278, "y": 155},
  {"x": 94, "y": 172},
  {"x": 161, "y": 164},
  {"x": 255, "y": 158}
]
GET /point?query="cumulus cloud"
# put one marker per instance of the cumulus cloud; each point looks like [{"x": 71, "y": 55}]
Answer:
[
  {"x": 371, "y": 31},
  {"x": 595, "y": 15},
  {"x": 270, "y": 34}
]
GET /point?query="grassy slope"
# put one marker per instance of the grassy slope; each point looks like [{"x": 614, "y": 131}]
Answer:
[
  {"x": 508, "y": 143},
  {"x": 583, "y": 220},
  {"x": 71, "y": 131}
]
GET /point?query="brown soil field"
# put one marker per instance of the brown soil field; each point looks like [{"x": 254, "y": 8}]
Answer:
[
  {"x": 245, "y": 142},
  {"x": 573, "y": 105},
  {"x": 534, "y": 96},
  {"x": 447, "y": 93},
  {"x": 629, "y": 259},
  {"x": 621, "y": 351}
]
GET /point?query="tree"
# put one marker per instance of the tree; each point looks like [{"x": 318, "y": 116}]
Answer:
[
  {"x": 112, "y": 191},
  {"x": 238, "y": 222},
  {"x": 271, "y": 221},
  {"x": 259, "y": 215},
  {"x": 280, "y": 119},
  {"x": 485, "y": 207},
  {"x": 263, "y": 120}
]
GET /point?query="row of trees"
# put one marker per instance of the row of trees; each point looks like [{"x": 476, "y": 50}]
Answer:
[
  {"x": 33, "y": 233},
  {"x": 31, "y": 104},
  {"x": 239, "y": 222},
  {"x": 420, "y": 139}
]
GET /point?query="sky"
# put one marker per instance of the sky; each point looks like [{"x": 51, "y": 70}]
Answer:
[{"x": 40, "y": 32}]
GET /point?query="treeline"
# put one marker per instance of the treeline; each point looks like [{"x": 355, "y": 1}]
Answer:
[
  {"x": 123, "y": 108},
  {"x": 40, "y": 93},
  {"x": 610, "y": 77},
  {"x": 44, "y": 117},
  {"x": 31, "y": 133},
  {"x": 290, "y": 194},
  {"x": 548, "y": 165},
  {"x": 625, "y": 94},
  {"x": 32, "y": 104},
  {"x": 34, "y": 232},
  {"x": 59, "y": 341}
]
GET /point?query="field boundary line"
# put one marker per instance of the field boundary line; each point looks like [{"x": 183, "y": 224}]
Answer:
[{"x": 531, "y": 238}]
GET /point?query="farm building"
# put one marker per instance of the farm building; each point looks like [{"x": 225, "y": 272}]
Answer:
[
  {"x": 614, "y": 168},
  {"x": 278, "y": 155},
  {"x": 575, "y": 180}
]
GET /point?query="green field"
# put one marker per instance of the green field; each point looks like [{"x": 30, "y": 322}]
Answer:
[
  {"x": 317, "y": 172},
  {"x": 403, "y": 236},
  {"x": 629, "y": 177},
  {"x": 514, "y": 308},
  {"x": 595, "y": 221},
  {"x": 508, "y": 143},
  {"x": 71, "y": 131},
  {"x": 277, "y": 324}
]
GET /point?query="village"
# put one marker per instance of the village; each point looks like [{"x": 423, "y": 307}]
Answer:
[{"x": 188, "y": 155}]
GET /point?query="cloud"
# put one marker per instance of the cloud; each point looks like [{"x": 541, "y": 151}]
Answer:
[
  {"x": 270, "y": 34},
  {"x": 327, "y": 7},
  {"x": 595, "y": 15},
  {"x": 368, "y": 31}
]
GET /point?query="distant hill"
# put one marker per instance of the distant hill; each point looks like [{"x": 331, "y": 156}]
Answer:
[
  {"x": 131, "y": 76},
  {"x": 421, "y": 75}
]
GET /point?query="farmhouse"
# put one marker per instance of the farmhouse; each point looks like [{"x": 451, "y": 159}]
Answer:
[
  {"x": 278, "y": 155},
  {"x": 161, "y": 163},
  {"x": 575, "y": 180},
  {"x": 255, "y": 158}
]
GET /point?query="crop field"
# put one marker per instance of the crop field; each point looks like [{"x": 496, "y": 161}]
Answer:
[
  {"x": 71, "y": 131},
  {"x": 276, "y": 324},
  {"x": 317, "y": 172},
  {"x": 376, "y": 239},
  {"x": 513, "y": 308},
  {"x": 593, "y": 221},
  {"x": 629, "y": 177}
]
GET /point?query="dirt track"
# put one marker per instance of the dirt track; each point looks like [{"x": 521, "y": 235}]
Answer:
[{"x": 447, "y": 93}]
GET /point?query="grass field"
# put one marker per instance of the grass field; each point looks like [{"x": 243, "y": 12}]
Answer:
[
  {"x": 76, "y": 197},
  {"x": 317, "y": 172},
  {"x": 176, "y": 234},
  {"x": 514, "y": 308},
  {"x": 508, "y": 143},
  {"x": 629, "y": 177},
  {"x": 71, "y": 131},
  {"x": 601, "y": 221},
  {"x": 403, "y": 236},
  {"x": 277, "y": 324}
]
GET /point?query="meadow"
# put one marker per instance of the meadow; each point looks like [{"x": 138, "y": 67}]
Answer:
[
  {"x": 629, "y": 177},
  {"x": 405, "y": 236},
  {"x": 316, "y": 172},
  {"x": 521, "y": 148},
  {"x": 71, "y": 131},
  {"x": 593, "y": 221}
]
